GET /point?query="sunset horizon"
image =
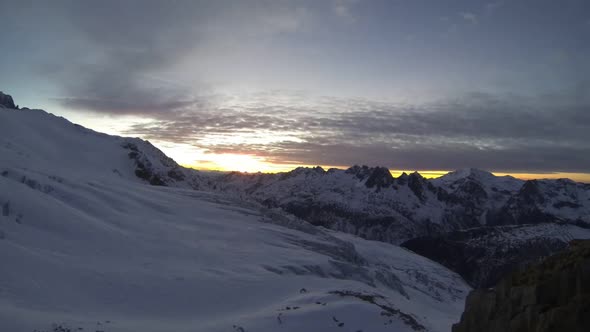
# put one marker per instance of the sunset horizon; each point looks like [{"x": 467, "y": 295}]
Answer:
[
  {"x": 272, "y": 85},
  {"x": 294, "y": 165},
  {"x": 428, "y": 174}
]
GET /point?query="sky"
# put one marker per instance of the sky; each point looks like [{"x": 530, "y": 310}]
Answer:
[{"x": 254, "y": 85}]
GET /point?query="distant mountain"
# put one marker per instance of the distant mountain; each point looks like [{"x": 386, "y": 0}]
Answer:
[
  {"x": 369, "y": 202},
  {"x": 465, "y": 210}
]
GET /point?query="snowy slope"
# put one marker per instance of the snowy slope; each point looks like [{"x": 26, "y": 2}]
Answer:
[
  {"x": 86, "y": 243},
  {"x": 56, "y": 146},
  {"x": 561, "y": 200}
]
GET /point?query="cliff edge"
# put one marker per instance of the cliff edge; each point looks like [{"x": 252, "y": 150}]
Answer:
[{"x": 553, "y": 295}]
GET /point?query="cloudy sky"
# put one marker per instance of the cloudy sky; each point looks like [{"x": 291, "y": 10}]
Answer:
[{"x": 270, "y": 85}]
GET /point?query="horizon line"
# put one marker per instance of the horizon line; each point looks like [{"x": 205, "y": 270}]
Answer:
[{"x": 428, "y": 174}]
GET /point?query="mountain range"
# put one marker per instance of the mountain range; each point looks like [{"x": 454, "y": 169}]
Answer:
[
  {"x": 466, "y": 220},
  {"x": 108, "y": 233}
]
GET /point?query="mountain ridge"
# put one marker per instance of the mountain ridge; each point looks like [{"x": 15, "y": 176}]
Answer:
[
  {"x": 366, "y": 201},
  {"x": 97, "y": 234}
]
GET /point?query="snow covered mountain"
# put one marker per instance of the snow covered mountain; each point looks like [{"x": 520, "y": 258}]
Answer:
[
  {"x": 86, "y": 243},
  {"x": 108, "y": 233},
  {"x": 369, "y": 202},
  {"x": 423, "y": 214},
  {"x": 34, "y": 137}
]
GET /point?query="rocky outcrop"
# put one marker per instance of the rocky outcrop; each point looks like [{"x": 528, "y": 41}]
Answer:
[
  {"x": 153, "y": 166},
  {"x": 374, "y": 177},
  {"x": 553, "y": 295},
  {"x": 483, "y": 255},
  {"x": 6, "y": 101}
]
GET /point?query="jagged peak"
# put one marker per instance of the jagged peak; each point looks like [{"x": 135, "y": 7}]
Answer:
[
  {"x": 364, "y": 169},
  {"x": 378, "y": 176},
  {"x": 416, "y": 174},
  {"x": 6, "y": 101},
  {"x": 305, "y": 170}
]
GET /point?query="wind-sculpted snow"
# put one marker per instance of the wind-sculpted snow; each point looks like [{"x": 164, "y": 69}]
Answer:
[
  {"x": 87, "y": 245},
  {"x": 154, "y": 259}
]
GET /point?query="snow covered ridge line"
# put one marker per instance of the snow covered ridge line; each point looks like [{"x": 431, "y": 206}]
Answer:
[
  {"x": 463, "y": 217},
  {"x": 88, "y": 244},
  {"x": 365, "y": 201},
  {"x": 414, "y": 206},
  {"x": 358, "y": 198}
]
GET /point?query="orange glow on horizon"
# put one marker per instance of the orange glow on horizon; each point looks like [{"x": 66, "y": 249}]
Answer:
[
  {"x": 201, "y": 158},
  {"x": 192, "y": 157},
  {"x": 254, "y": 164},
  {"x": 247, "y": 164}
]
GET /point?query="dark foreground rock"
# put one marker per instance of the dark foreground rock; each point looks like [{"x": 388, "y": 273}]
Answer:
[
  {"x": 483, "y": 255},
  {"x": 553, "y": 295}
]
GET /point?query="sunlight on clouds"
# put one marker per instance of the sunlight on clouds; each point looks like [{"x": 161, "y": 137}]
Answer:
[
  {"x": 262, "y": 137},
  {"x": 104, "y": 123},
  {"x": 239, "y": 162},
  {"x": 234, "y": 148},
  {"x": 190, "y": 156}
]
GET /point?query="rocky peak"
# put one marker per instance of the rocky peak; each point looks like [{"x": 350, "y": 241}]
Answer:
[
  {"x": 361, "y": 172},
  {"x": 376, "y": 177},
  {"x": 553, "y": 295},
  {"x": 418, "y": 184},
  {"x": 6, "y": 101},
  {"x": 305, "y": 171},
  {"x": 380, "y": 177}
]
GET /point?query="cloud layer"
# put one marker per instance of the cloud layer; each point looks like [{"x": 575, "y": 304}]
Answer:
[
  {"x": 476, "y": 85},
  {"x": 499, "y": 133}
]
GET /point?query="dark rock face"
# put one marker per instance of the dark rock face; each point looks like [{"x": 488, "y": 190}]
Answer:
[
  {"x": 417, "y": 184},
  {"x": 524, "y": 207},
  {"x": 553, "y": 295},
  {"x": 341, "y": 218},
  {"x": 380, "y": 178},
  {"x": 6, "y": 101},
  {"x": 482, "y": 255},
  {"x": 376, "y": 177},
  {"x": 144, "y": 169}
]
